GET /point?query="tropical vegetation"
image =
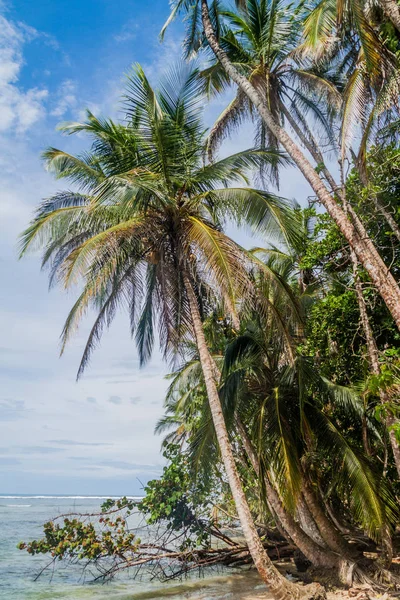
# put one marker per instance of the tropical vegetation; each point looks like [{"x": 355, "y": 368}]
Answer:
[{"x": 283, "y": 410}]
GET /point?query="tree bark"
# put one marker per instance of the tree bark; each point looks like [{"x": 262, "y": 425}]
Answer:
[
  {"x": 364, "y": 248},
  {"x": 331, "y": 536},
  {"x": 373, "y": 357},
  {"x": 391, "y": 10},
  {"x": 279, "y": 586},
  {"x": 339, "y": 526},
  {"x": 317, "y": 555},
  {"x": 307, "y": 522}
]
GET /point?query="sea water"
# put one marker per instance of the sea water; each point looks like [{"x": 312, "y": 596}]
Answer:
[{"x": 22, "y": 518}]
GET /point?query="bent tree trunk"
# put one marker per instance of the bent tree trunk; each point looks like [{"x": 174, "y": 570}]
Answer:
[
  {"x": 279, "y": 586},
  {"x": 331, "y": 536},
  {"x": 363, "y": 247},
  {"x": 319, "y": 556},
  {"x": 307, "y": 522}
]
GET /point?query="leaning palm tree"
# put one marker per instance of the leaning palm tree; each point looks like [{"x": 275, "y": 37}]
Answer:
[
  {"x": 346, "y": 39},
  {"x": 352, "y": 229},
  {"x": 260, "y": 38},
  {"x": 145, "y": 232}
]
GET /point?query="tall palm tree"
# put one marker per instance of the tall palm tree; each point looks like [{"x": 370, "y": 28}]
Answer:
[
  {"x": 260, "y": 39},
  {"x": 365, "y": 68},
  {"x": 145, "y": 232},
  {"x": 352, "y": 229},
  {"x": 346, "y": 39}
]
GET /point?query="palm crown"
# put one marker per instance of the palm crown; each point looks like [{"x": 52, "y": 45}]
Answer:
[
  {"x": 148, "y": 211},
  {"x": 260, "y": 39}
]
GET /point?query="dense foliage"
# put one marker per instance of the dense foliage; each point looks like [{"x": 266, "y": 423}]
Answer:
[{"x": 283, "y": 410}]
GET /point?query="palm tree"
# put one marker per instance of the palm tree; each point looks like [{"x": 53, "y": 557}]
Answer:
[
  {"x": 260, "y": 39},
  {"x": 352, "y": 229},
  {"x": 289, "y": 421},
  {"x": 365, "y": 68},
  {"x": 345, "y": 40},
  {"x": 145, "y": 232}
]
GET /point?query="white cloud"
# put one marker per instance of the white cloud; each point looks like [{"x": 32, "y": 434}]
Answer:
[
  {"x": 66, "y": 98},
  {"x": 128, "y": 32},
  {"x": 167, "y": 54},
  {"x": 19, "y": 109}
]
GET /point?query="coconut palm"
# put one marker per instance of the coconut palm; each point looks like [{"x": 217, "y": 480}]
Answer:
[
  {"x": 260, "y": 39},
  {"x": 352, "y": 229},
  {"x": 346, "y": 38},
  {"x": 145, "y": 232}
]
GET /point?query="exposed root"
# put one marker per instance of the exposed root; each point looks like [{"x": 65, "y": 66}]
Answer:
[
  {"x": 378, "y": 578},
  {"x": 313, "y": 591},
  {"x": 370, "y": 579}
]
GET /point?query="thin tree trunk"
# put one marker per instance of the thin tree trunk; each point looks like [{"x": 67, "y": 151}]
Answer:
[
  {"x": 373, "y": 357},
  {"x": 311, "y": 146},
  {"x": 279, "y": 586},
  {"x": 339, "y": 526},
  {"x": 365, "y": 250},
  {"x": 387, "y": 215},
  {"x": 391, "y": 10},
  {"x": 365, "y": 439},
  {"x": 307, "y": 522}
]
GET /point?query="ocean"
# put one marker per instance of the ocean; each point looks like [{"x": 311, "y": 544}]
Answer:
[{"x": 21, "y": 519}]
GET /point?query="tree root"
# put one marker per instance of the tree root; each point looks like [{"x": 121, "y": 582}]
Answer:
[
  {"x": 313, "y": 591},
  {"x": 377, "y": 577},
  {"x": 366, "y": 574}
]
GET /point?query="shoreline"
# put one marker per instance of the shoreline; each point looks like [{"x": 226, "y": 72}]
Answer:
[{"x": 245, "y": 585}]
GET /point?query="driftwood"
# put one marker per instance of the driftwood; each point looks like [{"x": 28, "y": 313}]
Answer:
[
  {"x": 164, "y": 553},
  {"x": 171, "y": 564}
]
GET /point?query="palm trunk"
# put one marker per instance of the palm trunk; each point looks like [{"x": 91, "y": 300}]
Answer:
[
  {"x": 365, "y": 439},
  {"x": 329, "y": 510},
  {"x": 364, "y": 248},
  {"x": 391, "y": 10},
  {"x": 307, "y": 522},
  {"x": 279, "y": 586},
  {"x": 331, "y": 536},
  {"x": 373, "y": 357},
  {"x": 316, "y": 554},
  {"x": 311, "y": 146}
]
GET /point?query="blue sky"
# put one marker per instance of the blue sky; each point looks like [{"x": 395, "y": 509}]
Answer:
[{"x": 58, "y": 436}]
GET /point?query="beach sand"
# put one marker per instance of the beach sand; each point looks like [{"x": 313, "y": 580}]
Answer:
[{"x": 245, "y": 586}]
